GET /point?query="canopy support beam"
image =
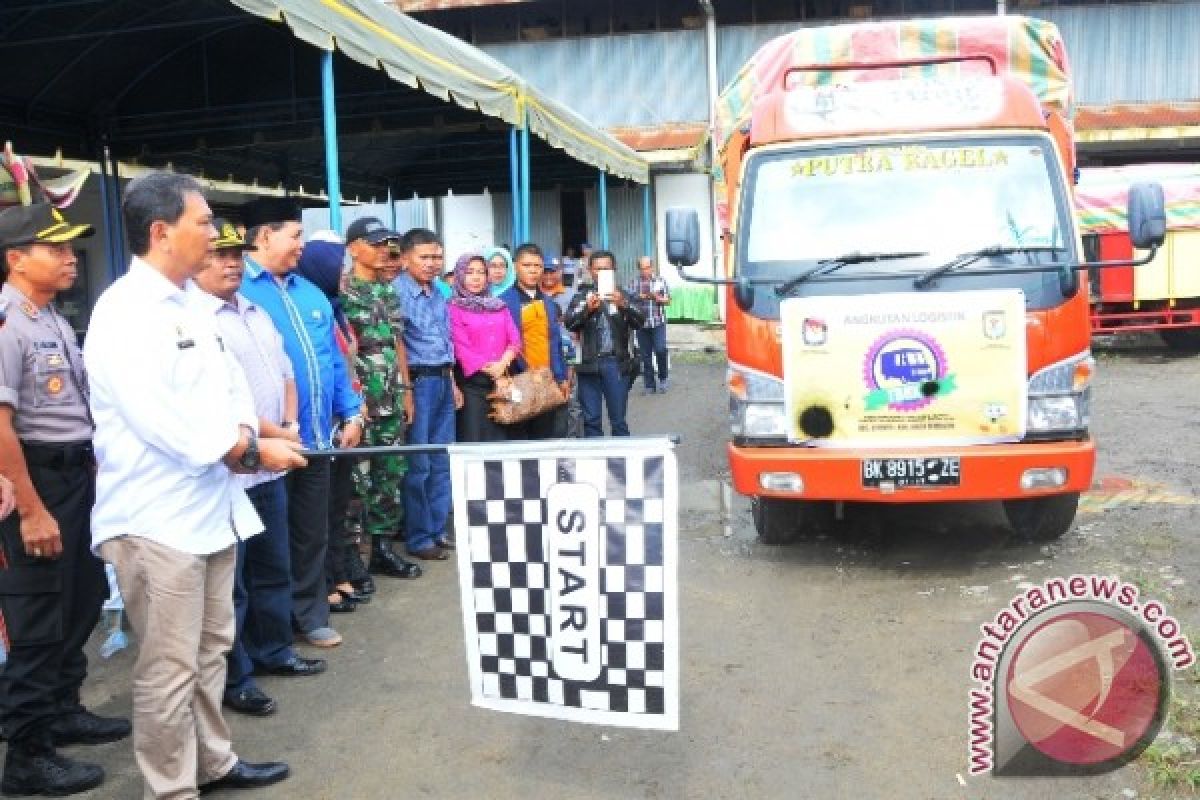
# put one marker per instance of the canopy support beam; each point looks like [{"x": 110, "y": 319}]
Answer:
[
  {"x": 514, "y": 183},
  {"x": 525, "y": 197},
  {"x": 602, "y": 194},
  {"x": 118, "y": 229},
  {"x": 329, "y": 116},
  {"x": 647, "y": 224},
  {"x": 108, "y": 214}
]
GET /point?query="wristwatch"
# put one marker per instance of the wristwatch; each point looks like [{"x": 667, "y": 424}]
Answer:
[
  {"x": 250, "y": 458},
  {"x": 357, "y": 419}
]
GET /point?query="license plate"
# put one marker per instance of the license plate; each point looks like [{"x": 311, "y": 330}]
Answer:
[{"x": 929, "y": 472}]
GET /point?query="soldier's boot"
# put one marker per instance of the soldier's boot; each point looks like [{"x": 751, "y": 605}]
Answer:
[
  {"x": 356, "y": 572},
  {"x": 385, "y": 561},
  {"x": 34, "y": 767}
]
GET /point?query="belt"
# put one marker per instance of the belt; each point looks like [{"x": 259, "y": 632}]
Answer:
[
  {"x": 436, "y": 371},
  {"x": 55, "y": 456}
]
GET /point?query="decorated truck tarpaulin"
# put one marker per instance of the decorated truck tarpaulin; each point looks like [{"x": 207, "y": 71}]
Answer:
[
  {"x": 905, "y": 369},
  {"x": 1102, "y": 195},
  {"x": 567, "y": 569},
  {"x": 1030, "y": 48}
]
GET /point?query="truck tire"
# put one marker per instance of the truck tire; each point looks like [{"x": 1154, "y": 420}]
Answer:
[
  {"x": 1183, "y": 340},
  {"x": 1042, "y": 519},
  {"x": 780, "y": 521}
]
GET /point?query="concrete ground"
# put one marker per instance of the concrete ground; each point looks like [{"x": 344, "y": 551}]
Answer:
[{"x": 832, "y": 668}]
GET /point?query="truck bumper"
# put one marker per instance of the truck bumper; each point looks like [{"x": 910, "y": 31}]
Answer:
[{"x": 991, "y": 472}]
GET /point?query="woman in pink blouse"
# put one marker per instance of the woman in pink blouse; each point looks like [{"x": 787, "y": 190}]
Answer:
[{"x": 486, "y": 342}]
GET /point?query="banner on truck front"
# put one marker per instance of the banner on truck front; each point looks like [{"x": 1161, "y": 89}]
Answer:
[
  {"x": 905, "y": 369},
  {"x": 567, "y": 569}
]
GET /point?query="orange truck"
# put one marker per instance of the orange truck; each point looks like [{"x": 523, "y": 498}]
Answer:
[{"x": 906, "y": 300}]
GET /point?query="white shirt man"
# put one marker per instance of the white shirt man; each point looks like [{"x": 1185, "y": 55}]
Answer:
[{"x": 174, "y": 419}]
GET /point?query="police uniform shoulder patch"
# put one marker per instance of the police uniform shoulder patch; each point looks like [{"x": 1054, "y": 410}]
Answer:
[{"x": 30, "y": 310}]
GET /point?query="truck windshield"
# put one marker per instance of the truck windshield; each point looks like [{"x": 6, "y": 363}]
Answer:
[{"x": 933, "y": 198}]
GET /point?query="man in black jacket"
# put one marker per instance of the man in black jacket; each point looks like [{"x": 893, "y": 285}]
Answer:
[{"x": 604, "y": 323}]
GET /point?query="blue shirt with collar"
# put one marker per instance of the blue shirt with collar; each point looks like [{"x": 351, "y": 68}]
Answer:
[
  {"x": 427, "y": 323},
  {"x": 304, "y": 317}
]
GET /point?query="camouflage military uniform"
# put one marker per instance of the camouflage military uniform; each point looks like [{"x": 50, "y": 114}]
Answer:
[{"x": 373, "y": 311}]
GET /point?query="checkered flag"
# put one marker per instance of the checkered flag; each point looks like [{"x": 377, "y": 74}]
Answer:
[{"x": 567, "y": 566}]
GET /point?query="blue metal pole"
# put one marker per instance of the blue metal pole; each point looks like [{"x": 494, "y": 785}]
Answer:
[
  {"x": 514, "y": 177},
  {"x": 118, "y": 229},
  {"x": 111, "y": 269},
  {"x": 602, "y": 191},
  {"x": 329, "y": 113},
  {"x": 647, "y": 223},
  {"x": 526, "y": 222}
]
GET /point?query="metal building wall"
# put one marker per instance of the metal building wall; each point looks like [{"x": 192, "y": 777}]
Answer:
[
  {"x": 618, "y": 80},
  {"x": 546, "y": 225},
  {"x": 625, "y": 238},
  {"x": 1135, "y": 53},
  {"x": 1141, "y": 53},
  {"x": 502, "y": 218},
  {"x": 545, "y": 228}
]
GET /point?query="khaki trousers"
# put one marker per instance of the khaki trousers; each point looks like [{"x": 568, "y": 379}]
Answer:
[{"x": 181, "y": 609}]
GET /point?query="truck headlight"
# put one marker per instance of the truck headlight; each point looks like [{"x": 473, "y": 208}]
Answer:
[
  {"x": 1060, "y": 396},
  {"x": 755, "y": 404}
]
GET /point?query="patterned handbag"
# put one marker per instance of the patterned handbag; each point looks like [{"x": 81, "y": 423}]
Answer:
[{"x": 525, "y": 395}]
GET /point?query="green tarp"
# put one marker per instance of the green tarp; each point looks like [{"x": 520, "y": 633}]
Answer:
[{"x": 693, "y": 304}]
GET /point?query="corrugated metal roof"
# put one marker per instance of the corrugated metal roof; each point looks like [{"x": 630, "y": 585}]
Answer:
[
  {"x": 1137, "y": 115},
  {"x": 661, "y": 137},
  {"x": 1147, "y": 116}
]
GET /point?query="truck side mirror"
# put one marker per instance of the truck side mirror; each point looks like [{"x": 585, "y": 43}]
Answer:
[
  {"x": 1147, "y": 215},
  {"x": 683, "y": 236}
]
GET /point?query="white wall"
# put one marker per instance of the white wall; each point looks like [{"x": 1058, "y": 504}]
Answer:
[
  {"x": 687, "y": 191},
  {"x": 466, "y": 224}
]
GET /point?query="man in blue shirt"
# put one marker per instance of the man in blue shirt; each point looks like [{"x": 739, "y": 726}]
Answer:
[
  {"x": 435, "y": 396},
  {"x": 330, "y": 411}
]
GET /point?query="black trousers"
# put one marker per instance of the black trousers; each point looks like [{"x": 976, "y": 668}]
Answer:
[
  {"x": 341, "y": 493},
  {"x": 308, "y": 524},
  {"x": 50, "y": 606},
  {"x": 473, "y": 422}
]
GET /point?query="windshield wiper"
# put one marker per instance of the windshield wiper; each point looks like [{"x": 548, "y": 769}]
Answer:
[
  {"x": 828, "y": 265},
  {"x": 966, "y": 259}
]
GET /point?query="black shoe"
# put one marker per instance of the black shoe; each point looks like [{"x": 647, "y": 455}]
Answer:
[
  {"x": 431, "y": 553},
  {"x": 297, "y": 667},
  {"x": 84, "y": 727},
  {"x": 252, "y": 701},
  {"x": 33, "y": 767},
  {"x": 445, "y": 542},
  {"x": 354, "y": 597},
  {"x": 245, "y": 775},
  {"x": 342, "y": 606},
  {"x": 364, "y": 586},
  {"x": 385, "y": 561}
]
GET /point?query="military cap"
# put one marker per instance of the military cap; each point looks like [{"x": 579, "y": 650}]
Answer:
[{"x": 38, "y": 223}]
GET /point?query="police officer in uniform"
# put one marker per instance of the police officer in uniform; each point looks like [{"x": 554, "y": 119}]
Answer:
[{"x": 51, "y": 585}]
